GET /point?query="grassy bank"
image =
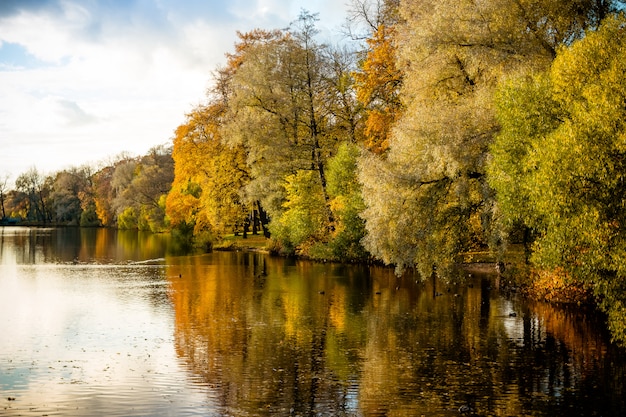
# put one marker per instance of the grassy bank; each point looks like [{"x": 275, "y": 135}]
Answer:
[{"x": 251, "y": 242}]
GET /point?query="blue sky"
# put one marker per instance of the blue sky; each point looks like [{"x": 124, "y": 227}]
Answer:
[{"x": 83, "y": 80}]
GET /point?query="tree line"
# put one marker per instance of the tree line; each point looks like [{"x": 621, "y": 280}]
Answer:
[
  {"x": 128, "y": 193},
  {"x": 445, "y": 127}
]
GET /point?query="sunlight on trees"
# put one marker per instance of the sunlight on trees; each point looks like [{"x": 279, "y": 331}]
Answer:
[
  {"x": 558, "y": 165},
  {"x": 304, "y": 219},
  {"x": 290, "y": 106},
  {"x": 431, "y": 190},
  {"x": 378, "y": 87},
  {"x": 208, "y": 178}
]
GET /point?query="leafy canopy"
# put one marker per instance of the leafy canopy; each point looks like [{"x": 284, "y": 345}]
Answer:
[{"x": 560, "y": 160}]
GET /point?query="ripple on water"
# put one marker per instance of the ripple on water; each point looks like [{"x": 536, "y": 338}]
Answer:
[
  {"x": 91, "y": 340},
  {"x": 148, "y": 395}
]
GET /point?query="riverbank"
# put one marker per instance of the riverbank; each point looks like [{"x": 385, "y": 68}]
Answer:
[{"x": 255, "y": 243}]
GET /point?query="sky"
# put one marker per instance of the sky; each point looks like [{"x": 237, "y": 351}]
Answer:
[{"x": 82, "y": 81}]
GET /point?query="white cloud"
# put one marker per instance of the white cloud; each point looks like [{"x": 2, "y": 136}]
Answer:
[
  {"x": 73, "y": 114},
  {"x": 105, "y": 77}
]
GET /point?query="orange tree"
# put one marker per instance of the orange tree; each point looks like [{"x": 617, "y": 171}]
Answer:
[{"x": 208, "y": 178}]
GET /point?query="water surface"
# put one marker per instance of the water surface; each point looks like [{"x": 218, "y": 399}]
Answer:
[{"x": 98, "y": 322}]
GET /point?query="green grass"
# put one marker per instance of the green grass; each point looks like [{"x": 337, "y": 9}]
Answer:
[
  {"x": 514, "y": 254},
  {"x": 231, "y": 242}
]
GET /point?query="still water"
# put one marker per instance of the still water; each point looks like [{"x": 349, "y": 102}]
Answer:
[{"x": 99, "y": 322}]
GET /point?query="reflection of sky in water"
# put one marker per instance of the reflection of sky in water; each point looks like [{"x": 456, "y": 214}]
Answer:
[
  {"x": 87, "y": 338},
  {"x": 13, "y": 378}
]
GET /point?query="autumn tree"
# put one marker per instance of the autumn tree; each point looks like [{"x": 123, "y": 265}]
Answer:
[
  {"x": 559, "y": 163},
  {"x": 142, "y": 186},
  {"x": 103, "y": 194},
  {"x": 33, "y": 185},
  {"x": 289, "y": 107},
  {"x": 208, "y": 178},
  {"x": 3, "y": 191},
  {"x": 428, "y": 200},
  {"x": 190, "y": 148},
  {"x": 378, "y": 81},
  {"x": 71, "y": 199}
]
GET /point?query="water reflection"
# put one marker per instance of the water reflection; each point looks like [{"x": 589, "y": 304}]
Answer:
[
  {"x": 82, "y": 245},
  {"x": 98, "y": 322},
  {"x": 270, "y": 337},
  {"x": 81, "y": 337}
]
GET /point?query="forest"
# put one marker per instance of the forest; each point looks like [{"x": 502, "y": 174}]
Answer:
[{"x": 437, "y": 129}]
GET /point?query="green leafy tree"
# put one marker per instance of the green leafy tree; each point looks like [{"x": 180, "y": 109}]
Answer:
[
  {"x": 559, "y": 164},
  {"x": 278, "y": 111},
  {"x": 347, "y": 204},
  {"x": 428, "y": 200},
  {"x": 526, "y": 112},
  {"x": 303, "y": 220}
]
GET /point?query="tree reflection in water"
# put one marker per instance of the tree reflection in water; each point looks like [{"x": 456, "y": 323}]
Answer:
[{"x": 271, "y": 336}]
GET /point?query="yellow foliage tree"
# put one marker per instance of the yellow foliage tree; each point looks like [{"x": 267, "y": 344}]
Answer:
[
  {"x": 427, "y": 199},
  {"x": 377, "y": 86},
  {"x": 559, "y": 161},
  {"x": 208, "y": 176}
]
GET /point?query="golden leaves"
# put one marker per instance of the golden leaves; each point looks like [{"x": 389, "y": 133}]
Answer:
[
  {"x": 377, "y": 86},
  {"x": 208, "y": 175}
]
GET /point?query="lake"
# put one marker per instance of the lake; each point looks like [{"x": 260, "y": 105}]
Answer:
[{"x": 101, "y": 322}]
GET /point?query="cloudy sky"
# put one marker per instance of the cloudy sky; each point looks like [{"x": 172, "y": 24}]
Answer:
[{"x": 83, "y": 80}]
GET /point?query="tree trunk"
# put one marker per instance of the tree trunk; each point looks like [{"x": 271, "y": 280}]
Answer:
[{"x": 264, "y": 221}]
